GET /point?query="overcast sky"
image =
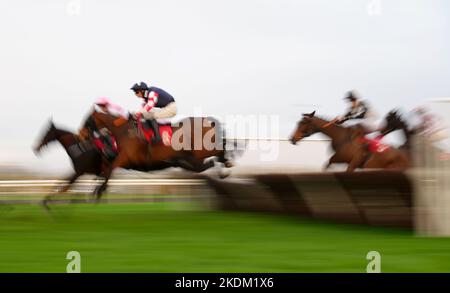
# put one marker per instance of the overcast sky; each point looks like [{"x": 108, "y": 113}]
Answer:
[{"x": 280, "y": 57}]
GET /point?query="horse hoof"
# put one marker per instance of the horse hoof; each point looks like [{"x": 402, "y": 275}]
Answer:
[
  {"x": 44, "y": 204},
  {"x": 228, "y": 164},
  {"x": 223, "y": 173}
]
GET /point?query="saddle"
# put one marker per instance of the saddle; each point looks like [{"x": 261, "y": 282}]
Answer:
[
  {"x": 165, "y": 131},
  {"x": 374, "y": 145}
]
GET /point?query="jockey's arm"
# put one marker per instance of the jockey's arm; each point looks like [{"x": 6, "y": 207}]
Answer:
[
  {"x": 151, "y": 102},
  {"x": 355, "y": 113},
  {"x": 361, "y": 112},
  {"x": 345, "y": 117}
]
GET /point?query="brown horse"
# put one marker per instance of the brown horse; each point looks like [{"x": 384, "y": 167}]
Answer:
[
  {"x": 194, "y": 140},
  {"x": 347, "y": 147}
]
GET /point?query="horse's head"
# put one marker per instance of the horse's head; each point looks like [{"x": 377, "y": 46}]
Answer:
[
  {"x": 97, "y": 120},
  {"x": 304, "y": 128},
  {"x": 50, "y": 135},
  {"x": 393, "y": 121}
]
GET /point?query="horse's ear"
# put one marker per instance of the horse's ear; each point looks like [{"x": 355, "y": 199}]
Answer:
[
  {"x": 310, "y": 115},
  {"x": 52, "y": 125}
]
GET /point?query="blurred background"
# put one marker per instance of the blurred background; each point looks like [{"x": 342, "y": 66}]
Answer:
[{"x": 256, "y": 58}]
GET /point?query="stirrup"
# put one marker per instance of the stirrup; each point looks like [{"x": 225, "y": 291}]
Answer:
[{"x": 155, "y": 141}]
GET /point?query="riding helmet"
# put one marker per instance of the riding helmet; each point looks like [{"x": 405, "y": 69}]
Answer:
[
  {"x": 351, "y": 96},
  {"x": 135, "y": 87},
  {"x": 143, "y": 86}
]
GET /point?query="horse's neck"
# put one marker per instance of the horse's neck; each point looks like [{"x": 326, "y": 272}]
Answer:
[
  {"x": 66, "y": 139},
  {"x": 121, "y": 131},
  {"x": 336, "y": 133}
]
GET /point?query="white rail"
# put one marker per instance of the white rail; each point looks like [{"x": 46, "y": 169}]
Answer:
[{"x": 112, "y": 182}]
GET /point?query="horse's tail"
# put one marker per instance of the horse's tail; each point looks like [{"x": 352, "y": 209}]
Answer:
[
  {"x": 230, "y": 147},
  {"x": 234, "y": 148}
]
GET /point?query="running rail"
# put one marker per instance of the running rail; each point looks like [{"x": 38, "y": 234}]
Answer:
[{"x": 112, "y": 182}]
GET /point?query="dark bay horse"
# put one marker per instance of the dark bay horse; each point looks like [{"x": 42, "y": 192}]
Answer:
[
  {"x": 85, "y": 157},
  {"x": 194, "y": 140},
  {"x": 348, "y": 149}
]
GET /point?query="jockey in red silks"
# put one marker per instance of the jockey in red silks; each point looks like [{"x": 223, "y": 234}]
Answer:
[
  {"x": 103, "y": 139},
  {"x": 154, "y": 98},
  {"x": 106, "y": 106}
]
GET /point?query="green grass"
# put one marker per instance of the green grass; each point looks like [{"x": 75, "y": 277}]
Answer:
[{"x": 171, "y": 237}]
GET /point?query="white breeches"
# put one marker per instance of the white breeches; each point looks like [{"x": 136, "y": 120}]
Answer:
[{"x": 163, "y": 113}]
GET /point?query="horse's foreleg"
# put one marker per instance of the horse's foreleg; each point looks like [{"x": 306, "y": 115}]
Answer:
[
  {"x": 331, "y": 161},
  {"x": 61, "y": 190},
  {"x": 351, "y": 167},
  {"x": 120, "y": 161},
  {"x": 355, "y": 163},
  {"x": 71, "y": 180},
  {"x": 398, "y": 162},
  {"x": 100, "y": 189},
  {"x": 223, "y": 159}
]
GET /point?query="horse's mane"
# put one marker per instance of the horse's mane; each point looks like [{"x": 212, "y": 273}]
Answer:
[
  {"x": 111, "y": 118},
  {"x": 328, "y": 120},
  {"x": 61, "y": 131},
  {"x": 105, "y": 115},
  {"x": 112, "y": 122}
]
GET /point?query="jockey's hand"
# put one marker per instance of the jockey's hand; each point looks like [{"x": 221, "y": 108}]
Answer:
[
  {"x": 150, "y": 115},
  {"x": 136, "y": 115}
]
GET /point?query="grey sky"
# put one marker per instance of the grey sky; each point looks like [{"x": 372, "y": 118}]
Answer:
[{"x": 228, "y": 57}]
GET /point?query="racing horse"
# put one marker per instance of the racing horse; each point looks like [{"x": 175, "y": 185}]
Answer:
[
  {"x": 194, "y": 140},
  {"x": 84, "y": 155},
  {"x": 348, "y": 147}
]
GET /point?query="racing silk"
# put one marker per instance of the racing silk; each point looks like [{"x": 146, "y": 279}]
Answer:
[
  {"x": 111, "y": 108},
  {"x": 362, "y": 115},
  {"x": 156, "y": 97},
  {"x": 358, "y": 112},
  {"x": 427, "y": 123}
]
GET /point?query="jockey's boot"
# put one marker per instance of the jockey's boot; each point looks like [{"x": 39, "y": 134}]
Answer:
[{"x": 155, "y": 127}]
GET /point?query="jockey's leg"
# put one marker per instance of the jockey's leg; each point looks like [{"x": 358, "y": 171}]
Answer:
[
  {"x": 155, "y": 127},
  {"x": 167, "y": 112}
]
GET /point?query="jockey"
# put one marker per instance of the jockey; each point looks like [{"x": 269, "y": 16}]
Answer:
[
  {"x": 103, "y": 139},
  {"x": 364, "y": 119},
  {"x": 104, "y": 105},
  {"x": 427, "y": 123},
  {"x": 154, "y": 98},
  {"x": 359, "y": 111}
]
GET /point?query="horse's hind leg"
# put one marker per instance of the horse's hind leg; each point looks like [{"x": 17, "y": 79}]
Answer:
[
  {"x": 222, "y": 156},
  {"x": 398, "y": 163},
  {"x": 195, "y": 165}
]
